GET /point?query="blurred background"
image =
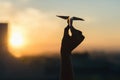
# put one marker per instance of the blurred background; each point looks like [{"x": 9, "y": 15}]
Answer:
[{"x": 30, "y": 39}]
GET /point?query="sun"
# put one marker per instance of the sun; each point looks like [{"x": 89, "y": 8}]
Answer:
[{"x": 16, "y": 40}]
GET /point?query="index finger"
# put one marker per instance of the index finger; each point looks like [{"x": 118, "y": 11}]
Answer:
[{"x": 66, "y": 31}]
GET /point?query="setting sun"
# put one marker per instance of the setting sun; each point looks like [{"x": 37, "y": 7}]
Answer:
[
  {"x": 16, "y": 40},
  {"x": 16, "y": 37}
]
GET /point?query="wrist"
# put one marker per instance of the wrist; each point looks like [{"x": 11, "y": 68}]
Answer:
[
  {"x": 65, "y": 53},
  {"x": 65, "y": 50}
]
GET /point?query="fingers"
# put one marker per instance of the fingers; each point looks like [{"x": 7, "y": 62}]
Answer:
[
  {"x": 66, "y": 31},
  {"x": 74, "y": 31},
  {"x": 76, "y": 34}
]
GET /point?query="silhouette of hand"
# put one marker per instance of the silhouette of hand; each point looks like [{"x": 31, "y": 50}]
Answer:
[{"x": 71, "y": 42}]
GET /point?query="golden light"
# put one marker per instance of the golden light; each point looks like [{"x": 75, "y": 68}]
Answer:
[
  {"x": 16, "y": 40},
  {"x": 16, "y": 37}
]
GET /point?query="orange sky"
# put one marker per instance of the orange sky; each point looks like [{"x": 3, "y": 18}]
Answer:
[{"x": 41, "y": 30}]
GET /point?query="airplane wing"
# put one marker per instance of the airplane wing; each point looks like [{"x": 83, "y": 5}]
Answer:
[
  {"x": 63, "y": 17},
  {"x": 76, "y": 18}
]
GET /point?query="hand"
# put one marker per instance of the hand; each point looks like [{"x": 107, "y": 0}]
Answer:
[{"x": 71, "y": 42}]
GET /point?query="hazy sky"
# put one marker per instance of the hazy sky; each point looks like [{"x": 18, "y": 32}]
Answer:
[{"x": 36, "y": 20}]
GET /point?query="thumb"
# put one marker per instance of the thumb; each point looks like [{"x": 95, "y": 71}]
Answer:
[
  {"x": 75, "y": 31},
  {"x": 66, "y": 31}
]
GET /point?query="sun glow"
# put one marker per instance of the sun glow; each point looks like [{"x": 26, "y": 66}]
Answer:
[
  {"x": 16, "y": 37},
  {"x": 16, "y": 40}
]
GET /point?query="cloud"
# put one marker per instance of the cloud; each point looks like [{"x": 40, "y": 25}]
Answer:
[
  {"x": 36, "y": 26},
  {"x": 6, "y": 10}
]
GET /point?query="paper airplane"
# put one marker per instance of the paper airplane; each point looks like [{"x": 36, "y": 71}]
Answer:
[{"x": 70, "y": 19}]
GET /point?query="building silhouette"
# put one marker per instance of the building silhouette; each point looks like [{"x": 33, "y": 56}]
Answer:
[
  {"x": 3, "y": 46},
  {"x": 3, "y": 38},
  {"x": 9, "y": 65}
]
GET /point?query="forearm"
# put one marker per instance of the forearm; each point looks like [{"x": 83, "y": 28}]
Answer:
[
  {"x": 69, "y": 43},
  {"x": 66, "y": 66}
]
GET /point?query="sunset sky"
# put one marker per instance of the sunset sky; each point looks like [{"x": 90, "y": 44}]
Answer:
[{"x": 33, "y": 23}]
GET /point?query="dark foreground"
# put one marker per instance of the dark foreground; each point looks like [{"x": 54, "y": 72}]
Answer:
[{"x": 87, "y": 66}]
